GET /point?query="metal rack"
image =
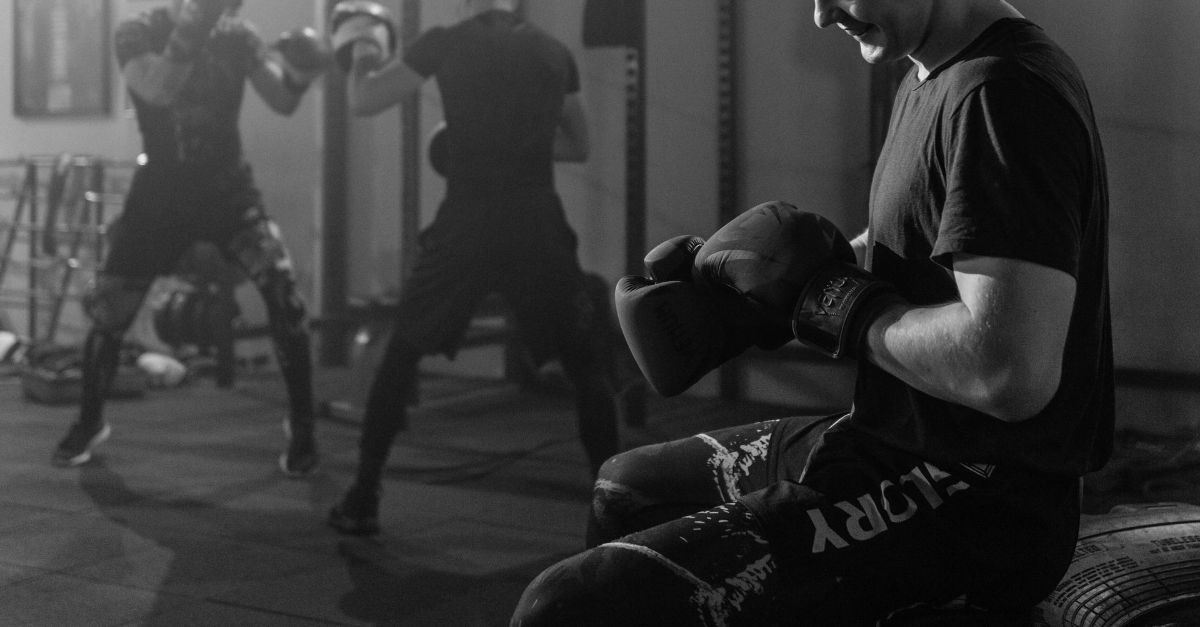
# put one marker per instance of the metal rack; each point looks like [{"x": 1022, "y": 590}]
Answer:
[{"x": 53, "y": 215}]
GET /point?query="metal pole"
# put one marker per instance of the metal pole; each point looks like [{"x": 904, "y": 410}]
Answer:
[
  {"x": 410, "y": 153},
  {"x": 334, "y": 232},
  {"x": 730, "y": 381},
  {"x": 635, "y": 184}
]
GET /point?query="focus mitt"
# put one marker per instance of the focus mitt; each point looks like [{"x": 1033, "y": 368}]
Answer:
[{"x": 355, "y": 21}]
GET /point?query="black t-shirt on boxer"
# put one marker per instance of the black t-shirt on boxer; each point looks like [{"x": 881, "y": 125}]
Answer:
[
  {"x": 996, "y": 154},
  {"x": 502, "y": 82},
  {"x": 201, "y": 125}
]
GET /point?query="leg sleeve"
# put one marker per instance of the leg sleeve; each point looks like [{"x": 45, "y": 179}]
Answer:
[{"x": 259, "y": 249}]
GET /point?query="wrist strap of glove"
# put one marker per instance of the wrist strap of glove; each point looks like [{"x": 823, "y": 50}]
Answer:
[{"x": 837, "y": 306}]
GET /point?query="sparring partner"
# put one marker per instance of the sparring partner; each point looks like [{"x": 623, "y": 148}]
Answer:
[
  {"x": 510, "y": 97},
  {"x": 976, "y": 308},
  {"x": 186, "y": 66}
]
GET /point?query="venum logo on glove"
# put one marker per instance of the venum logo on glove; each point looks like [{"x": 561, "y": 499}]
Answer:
[
  {"x": 837, "y": 294},
  {"x": 673, "y": 327},
  {"x": 832, "y": 313}
]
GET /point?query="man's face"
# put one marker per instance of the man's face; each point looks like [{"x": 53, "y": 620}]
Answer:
[
  {"x": 179, "y": 6},
  {"x": 885, "y": 30}
]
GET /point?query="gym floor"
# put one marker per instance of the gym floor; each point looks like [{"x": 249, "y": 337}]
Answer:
[{"x": 183, "y": 519}]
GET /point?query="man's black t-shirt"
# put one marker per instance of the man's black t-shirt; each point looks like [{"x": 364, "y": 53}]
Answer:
[
  {"x": 996, "y": 154},
  {"x": 502, "y": 82}
]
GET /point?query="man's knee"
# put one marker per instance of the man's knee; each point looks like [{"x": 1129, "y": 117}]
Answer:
[
  {"x": 606, "y": 585},
  {"x": 258, "y": 248},
  {"x": 633, "y": 467},
  {"x": 113, "y": 302},
  {"x": 285, "y": 307},
  {"x": 556, "y": 596},
  {"x": 617, "y": 499}
]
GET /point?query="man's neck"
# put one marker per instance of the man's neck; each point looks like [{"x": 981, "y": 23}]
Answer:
[{"x": 953, "y": 26}]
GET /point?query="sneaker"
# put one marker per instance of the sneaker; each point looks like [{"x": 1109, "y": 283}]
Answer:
[
  {"x": 357, "y": 514},
  {"x": 76, "y": 447},
  {"x": 300, "y": 459}
]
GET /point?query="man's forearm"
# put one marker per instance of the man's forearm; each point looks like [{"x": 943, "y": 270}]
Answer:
[{"x": 157, "y": 79}]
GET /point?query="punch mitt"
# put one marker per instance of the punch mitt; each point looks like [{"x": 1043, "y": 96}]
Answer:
[{"x": 355, "y": 21}]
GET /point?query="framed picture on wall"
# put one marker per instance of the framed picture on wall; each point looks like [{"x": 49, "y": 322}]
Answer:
[{"x": 61, "y": 58}]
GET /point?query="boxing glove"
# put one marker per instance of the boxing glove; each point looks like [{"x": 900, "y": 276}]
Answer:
[
  {"x": 796, "y": 275},
  {"x": 355, "y": 21},
  {"x": 672, "y": 324},
  {"x": 304, "y": 55}
]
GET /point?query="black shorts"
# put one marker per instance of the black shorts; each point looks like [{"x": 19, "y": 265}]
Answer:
[
  {"x": 519, "y": 247},
  {"x": 837, "y": 501},
  {"x": 805, "y": 521},
  {"x": 171, "y": 207}
]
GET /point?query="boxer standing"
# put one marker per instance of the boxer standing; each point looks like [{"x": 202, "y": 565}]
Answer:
[
  {"x": 511, "y": 103},
  {"x": 979, "y": 318},
  {"x": 186, "y": 67}
]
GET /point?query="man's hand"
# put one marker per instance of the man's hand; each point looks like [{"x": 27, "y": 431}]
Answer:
[
  {"x": 364, "y": 34},
  {"x": 672, "y": 324},
  {"x": 791, "y": 273}
]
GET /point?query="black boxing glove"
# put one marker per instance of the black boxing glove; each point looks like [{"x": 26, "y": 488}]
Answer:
[
  {"x": 304, "y": 55},
  {"x": 673, "y": 326},
  {"x": 795, "y": 275}
]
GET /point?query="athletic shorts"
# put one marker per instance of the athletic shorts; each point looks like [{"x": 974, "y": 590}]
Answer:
[
  {"x": 170, "y": 207},
  {"x": 518, "y": 246},
  {"x": 842, "y": 503}
]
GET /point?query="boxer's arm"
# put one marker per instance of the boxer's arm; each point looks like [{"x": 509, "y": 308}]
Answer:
[
  {"x": 571, "y": 141},
  {"x": 269, "y": 82},
  {"x": 373, "y": 89},
  {"x": 156, "y": 78},
  {"x": 998, "y": 350}
]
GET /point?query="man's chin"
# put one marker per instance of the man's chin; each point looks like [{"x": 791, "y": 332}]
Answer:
[
  {"x": 871, "y": 54},
  {"x": 876, "y": 55}
]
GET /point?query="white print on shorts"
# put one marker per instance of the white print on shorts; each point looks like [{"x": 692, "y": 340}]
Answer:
[
  {"x": 872, "y": 513},
  {"x": 730, "y": 465}
]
